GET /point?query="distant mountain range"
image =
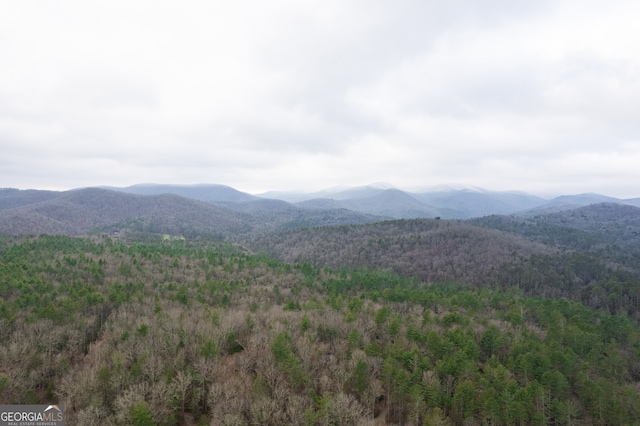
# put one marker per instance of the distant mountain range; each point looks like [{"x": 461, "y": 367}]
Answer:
[
  {"x": 386, "y": 201},
  {"x": 99, "y": 210},
  {"x": 559, "y": 247},
  {"x": 224, "y": 211}
]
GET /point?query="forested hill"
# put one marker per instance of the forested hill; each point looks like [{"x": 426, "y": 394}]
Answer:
[
  {"x": 94, "y": 210},
  {"x": 90, "y": 210},
  {"x": 609, "y": 232},
  {"x": 428, "y": 249},
  {"x": 594, "y": 226},
  {"x": 591, "y": 254},
  {"x": 183, "y": 333},
  {"x": 11, "y": 197},
  {"x": 434, "y": 250}
]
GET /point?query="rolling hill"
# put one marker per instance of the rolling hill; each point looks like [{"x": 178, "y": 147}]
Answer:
[
  {"x": 91, "y": 210},
  {"x": 318, "y": 315},
  {"x": 209, "y": 193},
  {"x": 11, "y": 198},
  {"x": 200, "y": 333},
  {"x": 608, "y": 231},
  {"x": 591, "y": 254},
  {"x": 557, "y": 254},
  {"x": 85, "y": 211},
  {"x": 382, "y": 200},
  {"x": 447, "y": 203},
  {"x": 430, "y": 250},
  {"x": 390, "y": 203}
]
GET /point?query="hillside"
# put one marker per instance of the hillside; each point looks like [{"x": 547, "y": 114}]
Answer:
[
  {"x": 94, "y": 210},
  {"x": 204, "y": 192},
  {"x": 465, "y": 203},
  {"x": 609, "y": 231},
  {"x": 11, "y": 198},
  {"x": 436, "y": 250},
  {"x": 591, "y": 254},
  {"x": 444, "y": 202},
  {"x": 570, "y": 202},
  {"x": 372, "y": 202},
  {"x": 85, "y": 211},
  {"x": 389, "y": 203},
  {"x": 176, "y": 333},
  {"x": 428, "y": 249},
  {"x": 271, "y": 216}
]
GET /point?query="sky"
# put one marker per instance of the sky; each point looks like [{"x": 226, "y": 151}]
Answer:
[{"x": 542, "y": 97}]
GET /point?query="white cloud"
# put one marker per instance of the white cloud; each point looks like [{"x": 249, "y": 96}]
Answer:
[{"x": 536, "y": 96}]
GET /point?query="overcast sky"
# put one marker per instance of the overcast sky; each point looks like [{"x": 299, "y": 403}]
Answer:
[{"x": 540, "y": 96}]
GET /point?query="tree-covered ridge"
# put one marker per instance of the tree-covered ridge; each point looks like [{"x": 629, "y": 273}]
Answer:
[
  {"x": 428, "y": 249},
  {"x": 436, "y": 250},
  {"x": 93, "y": 211},
  {"x": 176, "y": 332},
  {"x": 607, "y": 230}
]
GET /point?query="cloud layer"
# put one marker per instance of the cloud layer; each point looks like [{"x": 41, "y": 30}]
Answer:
[{"x": 543, "y": 97}]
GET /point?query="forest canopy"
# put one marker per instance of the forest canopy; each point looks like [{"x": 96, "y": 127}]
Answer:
[{"x": 178, "y": 332}]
